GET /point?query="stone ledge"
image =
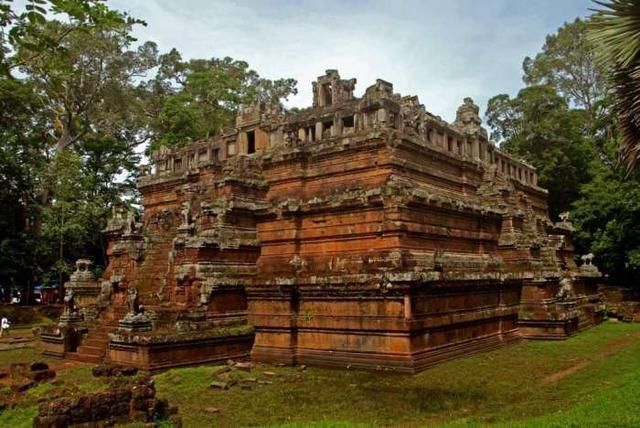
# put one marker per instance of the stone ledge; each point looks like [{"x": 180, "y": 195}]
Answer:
[{"x": 155, "y": 338}]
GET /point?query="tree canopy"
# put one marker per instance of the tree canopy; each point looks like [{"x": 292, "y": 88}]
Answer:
[
  {"x": 563, "y": 123},
  {"x": 80, "y": 98},
  {"x": 539, "y": 127},
  {"x": 202, "y": 96},
  {"x": 567, "y": 63}
]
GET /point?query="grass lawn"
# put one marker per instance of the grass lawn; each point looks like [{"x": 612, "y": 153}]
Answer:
[{"x": 589, "y": 380}]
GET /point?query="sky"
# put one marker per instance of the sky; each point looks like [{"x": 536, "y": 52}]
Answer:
[{"x": 441, "y": 50}]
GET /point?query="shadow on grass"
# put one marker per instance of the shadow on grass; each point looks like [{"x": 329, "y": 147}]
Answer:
[{"x": 420, "y": 399}]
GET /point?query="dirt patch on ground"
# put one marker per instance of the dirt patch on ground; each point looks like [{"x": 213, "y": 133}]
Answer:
[
  {"x": 612, "y": 348},
  {"x": 557, "y": 376}
]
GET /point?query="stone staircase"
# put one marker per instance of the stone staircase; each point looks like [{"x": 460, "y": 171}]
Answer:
[
  {"x": 94, "y": 346},
  {"x": 154, "y": 267}
]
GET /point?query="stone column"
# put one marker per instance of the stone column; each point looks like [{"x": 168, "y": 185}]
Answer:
[
  {"x": 335, "y": 128},
  {"x": 318, "y": 130},
  {"x": 475, "y": 149},
  {"x": 382, "y": 118},
  {"x": 241, "y": 143}
]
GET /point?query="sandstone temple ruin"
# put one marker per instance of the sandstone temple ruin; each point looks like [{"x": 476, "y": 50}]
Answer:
[{"x": 362, "y": 232}]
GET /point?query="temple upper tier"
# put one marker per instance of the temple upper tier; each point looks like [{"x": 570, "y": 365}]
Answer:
[{"x": 336, "y": 113}]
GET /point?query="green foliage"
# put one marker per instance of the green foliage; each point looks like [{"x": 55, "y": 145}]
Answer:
[
  {"x": 615, "y": 33},
  {"x": 71, "y": 118},
  {"x": 563, "y": 124},
  {"x": 204, "y": 96},
  {"x": 88, "y": 85},
  {"x": 76, "y": 102},
  {"x": 607, "y": 218},
  {"x": 567, "y": 64},
  {"x": 21, "y": 158},
  {"x": 539, "y": 127},
  {"x": 69, "y": 220}
]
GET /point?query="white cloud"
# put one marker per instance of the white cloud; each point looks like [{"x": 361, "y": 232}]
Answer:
[{"x": 439, "y": 51}]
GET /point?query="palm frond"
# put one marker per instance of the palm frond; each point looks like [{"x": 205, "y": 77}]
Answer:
[{"x": 615, "y": 33}]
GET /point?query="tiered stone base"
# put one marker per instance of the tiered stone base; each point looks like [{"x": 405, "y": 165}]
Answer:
[
  {"x": 544, "y": 316},
  {"x": 406, "y": 332},
  {"x": 159, "y": 352},
  {"x": 408, "y": 363}
]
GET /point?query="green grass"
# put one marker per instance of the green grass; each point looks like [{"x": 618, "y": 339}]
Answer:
[
  {"x": 21, "y": 355},
  {"x": 517, "y": 385},
  {"x": 19, "y": 417},
  {"x": 74, "y": 380},
  {"x": 503, "y": 387}
]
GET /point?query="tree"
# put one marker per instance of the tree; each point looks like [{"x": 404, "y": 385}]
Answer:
[
  {"x": 539, "y": 127},
  {"x": 615, "y": 32},
  {"x": 22, "y": 158},
  {"x": 563, "y": 123},
  {"x": 567, "y": 64},
  {"x": 89, "y": 86},
  {"x": 65, "y": 218},
  {"x": 71, "y": 114},
  {"x": 203, "y": 96},
  {"x": 554, "y": 122},
  {"x": 607, "y": 218},
  {"x": 76, "y": 101}
]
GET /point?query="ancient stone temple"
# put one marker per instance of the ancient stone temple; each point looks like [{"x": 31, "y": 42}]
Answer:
[{"x": 361, "y": 231}]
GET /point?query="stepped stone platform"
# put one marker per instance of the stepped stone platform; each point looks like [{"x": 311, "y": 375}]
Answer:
[{"x": 361, "y": 231}]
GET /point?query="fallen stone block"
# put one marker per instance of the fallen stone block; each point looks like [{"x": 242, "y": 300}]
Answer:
[
  {"x": 41, "y": 375},
  {"x": 18, "y": 370},
  {"x": 221, "y": 385},
  {"x": 221, "y": 370},
  {"x": 22, "y": 386},
  {"x": 244, "y": 366},
  {"x": 129, "y": 402},
  {"x": 38, "y": 366}
]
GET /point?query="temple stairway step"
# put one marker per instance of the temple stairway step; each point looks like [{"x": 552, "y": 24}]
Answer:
[
  {"x": 96, "y": 342},
  {"x": 103, "y": 329},
  {"x": 92, "y": 351},
  {"x": 84, "y": 358},
  {"x": 93, "y": 348}
]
